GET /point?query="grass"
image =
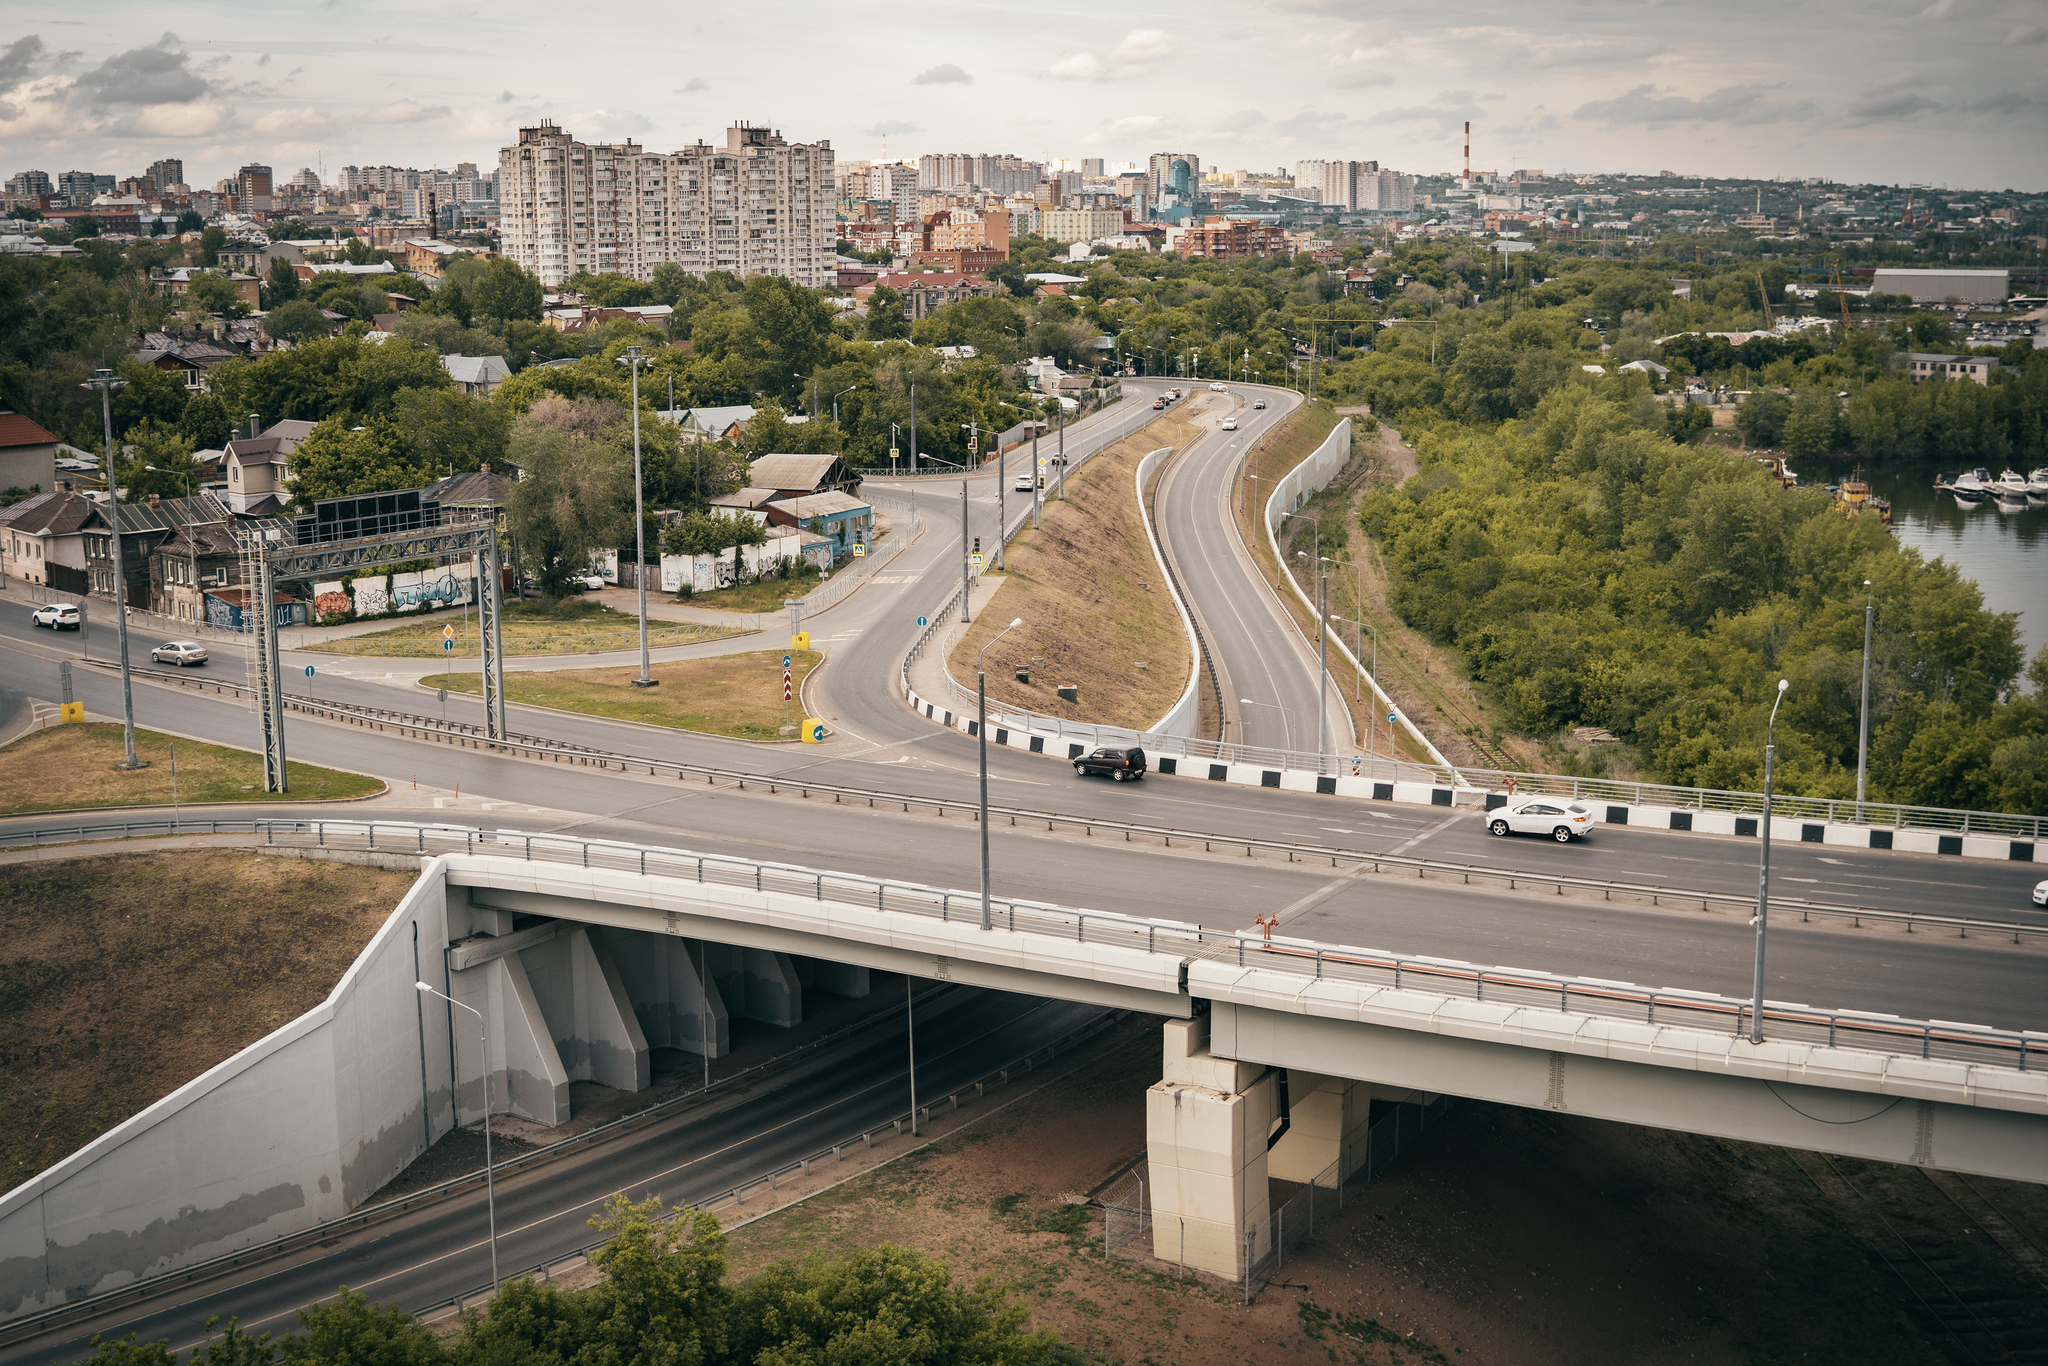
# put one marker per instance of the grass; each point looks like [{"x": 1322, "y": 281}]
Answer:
[
  {"x": 530, "y": 628},
  {"x": 127, "y": 975},
  {"x": 763, "y": 595},
  {"x": 80, "y": 766},
  {"x": 736, "y": 695},
  {"x": 1094, "y": 600}
]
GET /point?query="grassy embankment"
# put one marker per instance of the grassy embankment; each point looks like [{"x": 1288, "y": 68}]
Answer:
[
  {"x": 1094, "y": 600},
  {"x": 127, "y": 975},
  {"x": 1425, "y": 682},
  {"x": 80, "y": 766},
  {"x": 735, "y": 695},
  {"x": 530, "y": 628}
]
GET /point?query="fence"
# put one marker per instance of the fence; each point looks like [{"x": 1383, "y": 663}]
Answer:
[{"x": 835, "y": 589}]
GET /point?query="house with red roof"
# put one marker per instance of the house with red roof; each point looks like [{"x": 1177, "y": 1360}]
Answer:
[{"x": 28, "y": 454}]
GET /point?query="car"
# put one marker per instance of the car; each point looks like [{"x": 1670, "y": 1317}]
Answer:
[
  {"x": 1218, "y": 388},
  {"x": 1259, "y": 403},
  {"x": 1561, "y": 819},
  {"x": 1229, "y": 424},
  {"x": 1026, "y": 482},
  {"x": 2041, "y": 894},
  {"x": 58, "y": 616},
  {"x": 588, "y": 583},
  {"x": 179, "y": 652},
  {"x": 1119, "y": 762},
  {"x": 1159, "y": 402}
]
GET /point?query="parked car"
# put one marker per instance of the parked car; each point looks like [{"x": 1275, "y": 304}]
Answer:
[
  {"x": 1564, "y": 821},
  {"x": 58, "y": 616},
  {"x": 1217, "y": 387},
  {"x": 2041, "y": 894},
  {"x": 1229, "y": 424},
  {"x": 588, "y": 583},
  {"x": 179, "y": 652},
  {"x": 1258, "y": 403},
  {"x": 1119, "y": 763}
]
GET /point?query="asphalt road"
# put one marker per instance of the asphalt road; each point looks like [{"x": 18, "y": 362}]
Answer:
[
  {"x": 425, "y": 1258},
  {"x": 1255, "y": 649}
]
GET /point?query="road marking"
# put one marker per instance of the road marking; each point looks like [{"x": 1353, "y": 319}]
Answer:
[{"x": 1437, "y": 829}]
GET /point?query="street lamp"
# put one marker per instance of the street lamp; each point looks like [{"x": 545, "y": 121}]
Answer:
[
  {"x": 1284, "y": 712},
  {"x": 180, "y": 473},
  {"x": 1863, "y": 719},
  {"x": 981, "y": 731},
  {"x": 632, "y": 359},
  {"x": 835, "y": 401},
  {"x": 104, "y": 381},
  {"x": 1763, "y": 895},
  {"x": 490, "y": 1172},
  {"x": 1322, "y": 651}
]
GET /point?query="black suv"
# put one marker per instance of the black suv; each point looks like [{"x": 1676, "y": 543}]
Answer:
[{"x": 1120, "y": 764}]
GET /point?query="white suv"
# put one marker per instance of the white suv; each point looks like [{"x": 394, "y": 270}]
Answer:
[
  {"x": 58, "y": 616},
  {"x": 1217, "y": 387},
  {"x": 1561, "y": 819}
]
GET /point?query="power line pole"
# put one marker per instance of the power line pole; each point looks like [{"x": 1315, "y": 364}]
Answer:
[{"x": 104, "y": 381}]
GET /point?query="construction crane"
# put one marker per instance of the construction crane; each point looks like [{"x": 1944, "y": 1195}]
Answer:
[
  {"x": 1763, "y": 293},
  {"x": 1841, "y": 295}
]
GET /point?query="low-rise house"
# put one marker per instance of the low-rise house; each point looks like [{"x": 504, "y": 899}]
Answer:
[
  {"x": 842, "y": 519},
  {"x": 258, "y": 467},
  {"x": 795, "y": 476},
  {"x": 193, "y": 560},
  {"x": 1927, "y": 365},
  {"x": 712, "y": 424},
  {"x": 42, "y": 539},
  {"x": 745, "y": 503},
  {"x": 177, "y": 281},
  {"x": 28, "y": 453},
  {"x": 924, "y": 295},
  {"x": 189, "y": 358},
  {"x": 477, "y": 375}
]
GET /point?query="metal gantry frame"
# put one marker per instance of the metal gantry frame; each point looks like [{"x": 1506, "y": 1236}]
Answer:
[{"x": 267, "y": 564}]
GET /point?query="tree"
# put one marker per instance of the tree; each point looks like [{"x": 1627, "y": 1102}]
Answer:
[
  {"x": 334, "y": 461},
  {"x": 504, "y": 292},
  {"x": 148, "y": 394},
  {"x": 291, "y": 230},
  {"x": 887, "y": 320},
  {"x": 189, "y": 221},
  {"x": 573, "y": 498},
  {"x": 1011, "y": 276},
  {"x": 1814, "y": 424},
  {"x": 295, "y": 321},
  {"x": 211, "y": 240},
  {"x": 158, "y": 459},
  {"x": 450, "y": 431},
  {"x": 206, "y": 422},
  {"x": 217, "y": 294},
  {"x": 351, "y": 1330},
  {"x": 281, "y": 284},
  {"x": 1761, "y": 417},
  {"x": 85, "y": 225}
]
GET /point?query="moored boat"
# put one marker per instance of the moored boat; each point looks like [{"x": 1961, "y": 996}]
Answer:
[
  {"x": 1854, "y": 498},
  {"x": 2010, "y": 489},
  {"x": 1973, "y": 486}
]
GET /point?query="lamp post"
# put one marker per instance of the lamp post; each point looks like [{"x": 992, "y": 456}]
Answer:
[
  {"x": 632, "y": 360},
  {"x": 1863, "y": 717},
  {"x": 893, "y": 447},
  {"x": 981, "y": 733},
  {"x": 490, "y": 1172},
  {"x": 104, "y": 381},
  {"x": 835, "y": 401},
  {"x": 1284, "y": 712},
  {"x": 1763, "y": 894},
  {"x": 180, "y": 473},
  {"x": 1322, "y": 651}
]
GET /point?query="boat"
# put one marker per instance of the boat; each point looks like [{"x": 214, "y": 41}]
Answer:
[
  {"x": 1972, "y": 487},
  {"x": 1853, "y": 498},
  {"x": 2010, "y": 489},
  {"x": 2037, "y": 487},
  {"x": 1775, "y": 463}
]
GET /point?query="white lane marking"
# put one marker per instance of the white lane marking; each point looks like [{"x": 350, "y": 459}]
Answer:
[{"x": 1437, "y": 829}]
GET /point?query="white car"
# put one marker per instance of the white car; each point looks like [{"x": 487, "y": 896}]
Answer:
[
  {"x": 589, "y": 583},
  {"x": 1026, "y": 482},
  {"x": 58, "y": 616},
  {"x": 179, "y": 652},
  {"x": 2041, "y": 894},
  {"x": 1217, "y": 387},
  {"x": 1229, "y": 424},
  {"x": 1557, "y": 817}
]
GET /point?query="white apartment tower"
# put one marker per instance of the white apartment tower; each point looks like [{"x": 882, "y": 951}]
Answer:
[{"x": 756, "y": 206}]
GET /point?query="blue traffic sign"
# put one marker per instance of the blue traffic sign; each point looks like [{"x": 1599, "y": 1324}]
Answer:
[
  {"x": 818, "y": 731},
  {"x": 309, "y": 671},
  {"x": 1393, "y": 716},
  {"x": 785, "y": 661},
  {"x": 447, "y": 644},
  {"x": 924, "y": 621}
]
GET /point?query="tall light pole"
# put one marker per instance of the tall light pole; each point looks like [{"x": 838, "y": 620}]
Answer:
[
  {"x": 966, "y": 574},
  {"x": 981, "y": 732},
  {"x": 1322, "y": 650},
  {"x": 1863, "y": 718},
  {"x": 104, "y": 381},
  {"x": 490, "y": 1171},
  {"x": 632, "y": 359},
  {"x": 1763, "y": 894}
]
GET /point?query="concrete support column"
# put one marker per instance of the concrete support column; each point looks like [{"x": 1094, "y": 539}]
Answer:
[
  {"x": 758, "y": 984},
  {"x": 589, "y": 1013},
  {"x": 1330, "y": 1116},
  {"x": 1206, "y": 1124},
  {"x": 527, "y": 1078},
  {"x": 841, "y": 979},
  {"x": 676, "y": 1005}
]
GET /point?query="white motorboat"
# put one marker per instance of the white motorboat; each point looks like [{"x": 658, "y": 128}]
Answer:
[
  {"x": 1974, "y": 486},
  {"x": 2037, "y": 487},
  {"x": 2010, "y": 490}
]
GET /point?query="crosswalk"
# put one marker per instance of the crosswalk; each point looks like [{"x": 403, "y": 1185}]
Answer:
[{"x": 896, "y": 578}]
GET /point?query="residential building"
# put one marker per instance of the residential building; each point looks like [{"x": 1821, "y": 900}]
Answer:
[
  {"x": 427, "y": 255},
  {"x": 842, "y": 519},
  {"x": 42, "y": 539},
  {"x": 758, "y": 205},
  {"x": 1941, "y": 286},
  {"x": 258, "y": 467},
  {"x": 924, "y": 295},
  {"x": 963, "y": 229},
  {"x": 1921, "y": 365},
  {"x": 1229, "y": 239},
  {"x": 1080, "y": 225},
  {"x": 28, "y": 454},
  {"x": 253, "y": 189},
  {"x": 30, "y": 183},
  {"x": 942, "y": 171},
  {"x": 796, "y": 476},
  {"x": 977, "y": 261},
  {"x": 196, "y": 559},
  {"x": 712, "y": 424},
  {"x": 80, "y": 186},
  {"x": 1091, "y": 166},
  {"x": 178, "y": 280},
  {"x": 1160, "y": 168},
  {"x": 166, "y": 173},
  {"x": 477, "y": 375},
  {"x": 186, "y": 357}
]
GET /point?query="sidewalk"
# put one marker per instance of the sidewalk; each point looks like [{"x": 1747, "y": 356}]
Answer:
[{"x": 928, "y": 670}]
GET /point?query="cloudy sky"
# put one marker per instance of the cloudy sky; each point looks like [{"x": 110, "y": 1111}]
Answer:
[{"x": 1946, "y": 92}]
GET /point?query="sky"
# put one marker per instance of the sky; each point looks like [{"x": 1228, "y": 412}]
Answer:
[{"x": 1938, "y": 92}]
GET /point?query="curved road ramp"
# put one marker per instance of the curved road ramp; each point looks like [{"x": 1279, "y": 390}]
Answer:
[{"x": 581, "y": 954}]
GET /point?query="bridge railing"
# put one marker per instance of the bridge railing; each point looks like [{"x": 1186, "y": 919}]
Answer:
[{"x": 1706, "y": 1012}]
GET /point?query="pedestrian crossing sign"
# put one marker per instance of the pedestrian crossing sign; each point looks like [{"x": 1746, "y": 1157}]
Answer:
[
  {"x": 977, "y": 561},
  {"x": 859, "y": 550}
]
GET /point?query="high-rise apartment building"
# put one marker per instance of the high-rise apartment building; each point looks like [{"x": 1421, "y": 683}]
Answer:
[
  {"x": 1091, "y": 166},
  {"x": 1159, "y": 172},
  {"x": 1355, "y": 185},
  {"x": 166, "y": 173},
  {"x": 1080, "y": 225},
  {"x": 30, "y": 182},
  {"x": 757, "y": 205},
  {"x": 252, "y": 189},
  {"x": 1002, "y": 174},
  {"x": 944, "y": 170},
  {"x": 80, "y": 186}
]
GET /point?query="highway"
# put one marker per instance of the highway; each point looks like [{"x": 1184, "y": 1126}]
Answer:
[{"x": 424, "y": 1258}]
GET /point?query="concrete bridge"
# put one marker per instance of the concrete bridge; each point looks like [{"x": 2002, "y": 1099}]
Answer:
[{"x": 582, "y": 955}]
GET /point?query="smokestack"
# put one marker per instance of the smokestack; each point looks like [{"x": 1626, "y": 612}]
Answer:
[
  {"x": 1468, "y": 151},
  {"x": 255, "y": 426}
]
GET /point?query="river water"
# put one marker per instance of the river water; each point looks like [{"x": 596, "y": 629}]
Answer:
[{"x": 2005, "y": 552}]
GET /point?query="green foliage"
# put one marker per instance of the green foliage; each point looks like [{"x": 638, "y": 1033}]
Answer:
[
  {"x": 291, "y": 230},
  {"x": 343, "y": 378},
  {"x": 211, "y": 240},
  {"x": 887, "y": 320},
  {"x": 499, "y": 290},
  {"x": 296, "y": 320},
  {"x": 575, "y": 496},
  {"x": 217, "y": 294},
  {"x": 207, "y": 422},
  {"x": 612, "y": 291},
  {"x": 281, "y": 284},
  {"x": 85, "y": 225},
  {"x": 158, "y": 460},
  {"x": 147, "y": 395},
  {"x": 351, "y": 1331},
  {"x": 335, "y": 460},
  {"x": 449, "y": 431},
  {"x": 1761, "y": 418}
]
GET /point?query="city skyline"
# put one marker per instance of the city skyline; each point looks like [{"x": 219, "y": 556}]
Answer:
[{"x": 1912, "y": 93}]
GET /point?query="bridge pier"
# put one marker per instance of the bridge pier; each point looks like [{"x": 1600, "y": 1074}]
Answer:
[
  {"x": 1206, "y": 1125},
  {"x": 677, "y": 1006}
]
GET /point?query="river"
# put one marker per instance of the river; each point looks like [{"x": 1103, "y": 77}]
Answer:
[{"x": 2005, "y": 552}]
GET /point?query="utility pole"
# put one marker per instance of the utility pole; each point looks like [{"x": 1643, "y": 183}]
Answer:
[
  {"x": 632, "y": 359},
  {"x": 1002, "y": 515},
  {"x": 1863, "y": 719},
  {"x": 913, "y": 426},
  {"x": 1063, "y": 450},
  {"x": 966, "y": 579},
  {"x": 1763, "y": 874},
  {"x": 104, "y": 381},
  {"x": 1036, "y": 478}
]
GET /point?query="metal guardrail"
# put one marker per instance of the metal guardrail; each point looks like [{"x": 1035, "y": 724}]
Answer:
[
  {"x": 471, "y": 735},
  {"x": 2024, "y": 1050}
]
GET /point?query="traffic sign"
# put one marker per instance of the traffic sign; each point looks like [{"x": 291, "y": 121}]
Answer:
[
  {"x": 447, "y": 644},
  {"x": 816, "y": 733},
  {"x": 977, "y": 560},
  {"x": 785, "y": 663},
  {"x": 309, "y": 671},
  {"x": 448, "y": 633},
  {"x": 893, "y": 452},
  {"x": 859, "y": 550},
  {"x": 924, "y": 621},
  {"x": 1393, "y": 717},
  {"x": 787, "y": 691}
]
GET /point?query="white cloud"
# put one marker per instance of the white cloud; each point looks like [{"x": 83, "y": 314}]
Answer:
[
  {"x": 945, "y": 73},
  {"x": 2026, "y": 35},
  {"x": 889, "y": 128},
  {"x": 695, "y": 85},
  {"x": 158, "y": 74},
  {"x": 405, "y": 111},
  {"x": 1141, "y": 50},
  {"x": 1741, "y": 106}
]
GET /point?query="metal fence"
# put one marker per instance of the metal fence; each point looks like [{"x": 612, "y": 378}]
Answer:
[
  {"x": 833, "y": 590},
  {"x": 1127, "y": 1215},
  {"x": 1704, "y": 1012}
]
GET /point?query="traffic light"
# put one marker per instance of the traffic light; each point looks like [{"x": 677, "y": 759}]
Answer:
[{"x": 977, "y": 545}]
